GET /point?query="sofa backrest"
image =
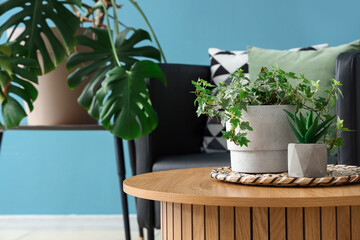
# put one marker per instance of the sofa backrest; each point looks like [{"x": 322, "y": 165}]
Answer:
[{"x": 180, "y": 131}]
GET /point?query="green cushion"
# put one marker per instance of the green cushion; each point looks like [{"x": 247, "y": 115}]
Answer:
[{"x": 316, "y": 65}]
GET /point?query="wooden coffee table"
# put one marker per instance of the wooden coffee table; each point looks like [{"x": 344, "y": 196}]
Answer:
[{"x": 195, "y": 206}]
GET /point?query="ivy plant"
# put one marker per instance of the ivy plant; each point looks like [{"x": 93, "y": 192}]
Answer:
[{"x": 228, "y": 101}]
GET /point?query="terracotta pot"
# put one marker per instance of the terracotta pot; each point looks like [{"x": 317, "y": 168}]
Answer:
[
  {"x": 56, "y": 104},
  {"x": 307, "y": 160},
  {"x": 267, "y": 150}
]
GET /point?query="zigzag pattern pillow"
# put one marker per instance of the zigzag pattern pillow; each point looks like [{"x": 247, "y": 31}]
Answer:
[{"x": 222, "y": 65}]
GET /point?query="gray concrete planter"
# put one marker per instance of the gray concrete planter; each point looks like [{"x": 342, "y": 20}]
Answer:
[
  {"x": 307, "y": 160},
  {"x": 267, "y": 151}
]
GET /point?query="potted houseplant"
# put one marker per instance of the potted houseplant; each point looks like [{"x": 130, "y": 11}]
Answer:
[
  {"x": 316, "y": 134},
  {"x": 256, "y": 127},
  {"x": 56, "y": 104},
  {"x": 118, "y": 73},
  {"x": 42, "y": 51},
  {"x": 308, "y": 159}
]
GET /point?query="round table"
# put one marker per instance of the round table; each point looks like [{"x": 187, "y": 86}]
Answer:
[{"x": 195, "y": 206}]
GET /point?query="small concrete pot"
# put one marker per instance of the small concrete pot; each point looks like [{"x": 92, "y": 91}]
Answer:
[
  {"x": 267, "y": 150},
  {"x": 307, "y": 160}
]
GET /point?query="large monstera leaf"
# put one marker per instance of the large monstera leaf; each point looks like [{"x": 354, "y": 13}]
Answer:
[
  {"x": 126, "y": 108},
  {"x": 35, "y": 16},
  {"x": 98, "y": 62},
  {"x": 16, "y": 79}
]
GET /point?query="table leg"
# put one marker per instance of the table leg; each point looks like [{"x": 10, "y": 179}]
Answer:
[
  {"x": 150, "y": 234},
  {"x": 120, "y": 162},
  {"x": 141, "y": 233}
]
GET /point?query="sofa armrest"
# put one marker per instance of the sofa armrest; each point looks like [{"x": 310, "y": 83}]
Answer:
[{"x": 347, "y": 71}]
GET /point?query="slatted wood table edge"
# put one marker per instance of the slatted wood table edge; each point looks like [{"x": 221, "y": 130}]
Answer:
[
  {"x": 207, "y": 209},
  {"x": 183, "y": 186}
]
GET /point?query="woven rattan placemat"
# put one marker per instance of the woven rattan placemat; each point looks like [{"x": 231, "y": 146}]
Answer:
[{"x": 336, "y": 175}]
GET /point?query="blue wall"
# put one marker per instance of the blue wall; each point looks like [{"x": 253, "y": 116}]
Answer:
[{"x": 75, "y": 172}]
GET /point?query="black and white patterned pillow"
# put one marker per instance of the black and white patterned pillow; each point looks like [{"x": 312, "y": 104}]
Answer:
[{"x": 222, "y": 65}]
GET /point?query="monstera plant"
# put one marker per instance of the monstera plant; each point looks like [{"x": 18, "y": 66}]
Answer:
[
  {"x": 116, "y": 72},
  {"x": 116, "y": 93}
]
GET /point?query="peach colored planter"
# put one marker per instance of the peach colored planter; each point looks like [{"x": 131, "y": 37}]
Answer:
[{"x": 56, "y": 104}]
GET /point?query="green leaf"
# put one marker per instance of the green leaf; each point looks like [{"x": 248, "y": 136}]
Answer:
[
  {"x": 4, "y": 78},
  {"x": 76, "y": 2},
  {"x": 338, "y": 142},
  {"x": 321, "y": 125},
  {"x": 332, "y": 101},
  {"x": 12, "y": 112},
  {"x": 94, "y": 109},
  {"x": 323, "y": 132},
  {"x": 100, "y": 59},
  {"x": 28, "y": 87},
  {"x": 339, "y": 123},
  {"x": 6, "y": 65},
  {"x": 327, "y": 91},
  {"x": 290, "y": 114},
  {"x": 310, "y": 134},
  {"x": 127, "y": 109},
  {"x": 302, "y": 118},
  {"x": 296, "y": 133},
  {"x": 235, "y": 122},
  {"x": 5, "y": 50},
  {"x": 226, "y": 134},
  {"x": 88, "y": 94},
  {"x": 21, "y": 93},
  {"x": 309, "y": 120},
  {"x": 35, "y": 15},
  {"x": 246, "y": 126},
  {"x": 300, "y": 126}
]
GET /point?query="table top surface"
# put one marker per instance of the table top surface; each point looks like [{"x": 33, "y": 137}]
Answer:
[{"x": 195, "y": 186}]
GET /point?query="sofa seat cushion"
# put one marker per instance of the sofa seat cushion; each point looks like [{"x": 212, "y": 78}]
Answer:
[{"x": 192, "y": 161}]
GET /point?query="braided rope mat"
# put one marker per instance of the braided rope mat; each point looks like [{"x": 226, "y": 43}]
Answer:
[{"x": 336, "y": 175}]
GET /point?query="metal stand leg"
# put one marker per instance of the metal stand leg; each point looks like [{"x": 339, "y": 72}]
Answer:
[
  {"x": 120, "y": 162},
  {"x": 1, "y": 135},
  {"x": 150, "y": 234},
  {"x": 141, "y": 233},
  {"x": 131, "y": 146},
  {"x": 132, "y": 154}
]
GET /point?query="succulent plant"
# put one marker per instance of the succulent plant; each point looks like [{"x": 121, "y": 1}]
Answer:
[{"x": 309, "y": 129}]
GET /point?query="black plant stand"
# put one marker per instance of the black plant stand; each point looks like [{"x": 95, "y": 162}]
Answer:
[
  {"x": 120, "y": 162},
  {"x": 121, "y": 173}
]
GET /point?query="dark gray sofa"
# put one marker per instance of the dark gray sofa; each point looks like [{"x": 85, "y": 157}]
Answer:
[{"x": 176, "y": 143}]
